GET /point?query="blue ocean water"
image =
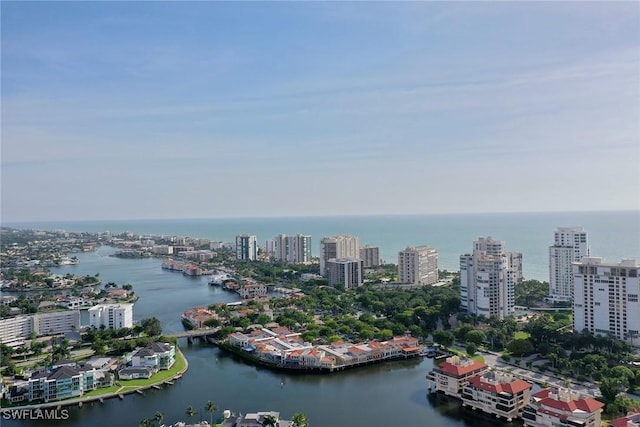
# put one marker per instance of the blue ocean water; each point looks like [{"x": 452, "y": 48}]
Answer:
[{"x": 612, "y": 235}]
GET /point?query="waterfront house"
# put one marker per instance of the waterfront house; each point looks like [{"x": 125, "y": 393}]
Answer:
[
  {"x": 255, "y": 420},
  {"x": 562, "y": 407},
  {"x": 450, "y": 376},
  {"x": 252, "y": 290},
  {"x": 497, "y": 393},
  {"x": 132, "y": 373},
  {"x": 155, "y": 355},
  {"x": 61, "y": 383}
]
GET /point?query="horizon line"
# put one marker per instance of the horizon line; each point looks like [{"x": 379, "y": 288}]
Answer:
[{"x": 2, "y": 222}]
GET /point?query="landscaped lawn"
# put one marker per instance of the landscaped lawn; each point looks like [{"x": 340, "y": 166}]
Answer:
[
  {"x": 100, "y": 391},
  {"x": 160, "y": 376},
  {"x": 522, "y": 335}
]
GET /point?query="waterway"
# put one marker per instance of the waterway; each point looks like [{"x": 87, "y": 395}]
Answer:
[{"x": 386, "y": 394}]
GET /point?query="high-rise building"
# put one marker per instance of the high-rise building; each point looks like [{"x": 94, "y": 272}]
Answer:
[
  {"x": 291, "y": 249},
  {"x": 488, "y": 277},
  {"x": 114, "y": 316},
  {"x": 418, "y": 265},
  {"x": 345, "y": 272},
  {"x": 338, "y": 247},
  {"x": 605, "y": 298},
  {"x": 370, "y": 255},
  {"x": 570, "y": 245},
  {"x": 246, "y": 247}
]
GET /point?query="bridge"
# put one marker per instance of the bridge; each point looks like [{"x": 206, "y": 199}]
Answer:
[{"x": 193, "y": 333}]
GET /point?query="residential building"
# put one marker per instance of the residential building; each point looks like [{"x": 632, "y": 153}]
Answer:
[
  {"x": 562, "y": 408},
  {"x": 338, "y": 247},
  {"x": 631, "y": 420},
  {"x": 156, "y": 355},
  {"x": 450, "y": 376},
  {"x": 418, "y": 265},
  {"x": 497, "y": 393},
  {"x": 252, "y": 290},
  {"x": 370, "y": 255},
  {"x": 66, "y": 379},
  {"x": 570, "y": 245},
  {"x": 290, "y": 249},
  {"x": 606, "y": 298},
  {"x": 162, "y": 249},
  {"x": 246, "y": 247},
  {"x": 347, "y": 272},
  {"x": 488, "y": 277},
  {"x": 21, "y": 327},
  {"x": 58, "y": 322},
  {"x": 114, "y": 316},
  {"x": 254, "y": 420}
]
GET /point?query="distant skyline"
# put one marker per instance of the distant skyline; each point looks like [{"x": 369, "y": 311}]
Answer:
[{"x": 135, "y": 110}]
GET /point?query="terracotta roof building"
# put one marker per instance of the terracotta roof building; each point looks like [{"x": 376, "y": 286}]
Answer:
[
  {"x": 497, "y": 393},
  {"x": 562, "y": 407},
  {"x": 450, "y": 376}
]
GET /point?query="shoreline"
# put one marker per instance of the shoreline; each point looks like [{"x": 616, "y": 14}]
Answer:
[{"x": 79, "y": 401}]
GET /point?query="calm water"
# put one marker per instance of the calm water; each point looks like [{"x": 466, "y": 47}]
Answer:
[
  {"x": 380, "y": 395},
  {"x": 612, "y": 235}
]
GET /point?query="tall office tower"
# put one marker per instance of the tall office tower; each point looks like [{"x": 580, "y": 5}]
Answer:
[
  {"x": 418, "y": 265},
  {"x": 570, "y": 245},
  {"x": 370, "y": 255},
  {"x": 605, "y": 298},
  {"x": 345, "y": 272},
  {"x": 246, "y": 247},
  {"x": 338, "y": 247},
  {"x": 488, "y": 277}
]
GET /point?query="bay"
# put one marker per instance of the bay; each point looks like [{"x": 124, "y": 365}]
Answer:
[
  {"x": 385, "y": 394},
  {"x": 612, "y": 235}
]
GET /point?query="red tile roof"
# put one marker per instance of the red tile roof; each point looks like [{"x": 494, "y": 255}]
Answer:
[
  {"x": 622, "y": 422},
  {"x": 513, "y": 387},
  {"x": 586, "y": 404},
  {"x": 462, "y": 369}
]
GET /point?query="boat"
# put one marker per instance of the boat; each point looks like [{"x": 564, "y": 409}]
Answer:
[{"x": 217, "y": 278}]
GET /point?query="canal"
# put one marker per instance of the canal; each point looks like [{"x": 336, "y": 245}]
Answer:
[{"x": 387, "y": 394}]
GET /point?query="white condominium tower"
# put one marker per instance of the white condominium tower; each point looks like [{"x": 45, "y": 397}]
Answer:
[
  {"x": 114, "y": 316},
  {"x": 418, "y": 265},
  {"x": 570, "y": 245},
  {"x": 246, "y": 247},
  {"x": 338, "y": 247},
  {"x": 605, "y": 298},
  {"x": 488, "y": 277},
  {"x": 291, "y": 249}
]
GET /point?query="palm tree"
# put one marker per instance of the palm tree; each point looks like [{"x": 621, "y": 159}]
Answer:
[
  {"x": 211, "y": 408},
  {"x": 190, "y": 411},
  {"x": 269, "y": 420},
  {"x": 158, "y": 417},
  {"x": 299, "y": 420}
]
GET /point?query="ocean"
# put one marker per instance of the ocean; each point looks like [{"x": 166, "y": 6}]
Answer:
[{"x": 612, "y": 235}]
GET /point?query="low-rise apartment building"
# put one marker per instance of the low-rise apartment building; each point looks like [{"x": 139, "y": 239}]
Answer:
[
  {"x": 450, "y": 376},
  {"x": 497, "y": 393},
  {"x": 562, "y": 408}
]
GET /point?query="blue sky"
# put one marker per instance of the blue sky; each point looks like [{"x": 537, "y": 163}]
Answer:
[{"x": 131, "y": 110}]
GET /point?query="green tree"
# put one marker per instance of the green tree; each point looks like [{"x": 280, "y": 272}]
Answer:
[
  {"x": 299, "y": 420},
  {"x": 476, "y": 337},
  {"x": 190, "y": 412},
  {"x": 151, "y": 326},
  {"x": 269, "y": 420},
  {"x": 211, "y": 407},
  {"x": 158, "y": 417},
  {"x": 610, "y": 387},
  {"x": 520, "y": 347},
  {"x": 444, "y": 338},
  {"x": 471, "y": 349}
]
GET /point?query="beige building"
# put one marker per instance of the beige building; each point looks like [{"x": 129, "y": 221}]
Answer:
[
  {"x": 497, "y": 393},
  {"x": 418, "y": 265},
  {"x": 370, "y": 255},
  {"x": 452, "y": 375},
  {"x": 562, "y": 407},
  {"x": 338, "y": 247}
]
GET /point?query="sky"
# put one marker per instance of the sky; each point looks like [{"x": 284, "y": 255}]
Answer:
[{"x": 135, "y": 110}]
